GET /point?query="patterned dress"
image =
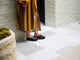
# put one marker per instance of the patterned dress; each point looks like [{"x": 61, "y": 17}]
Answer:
[{"x": 26, "y": 17}]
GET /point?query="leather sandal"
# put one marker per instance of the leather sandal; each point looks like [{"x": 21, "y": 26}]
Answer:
[
  {"x": 40, "y": 37},
  {"x": 32, "y": 39}
]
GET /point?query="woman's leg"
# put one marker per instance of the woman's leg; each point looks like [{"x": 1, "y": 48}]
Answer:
[
  {"x": 28, "y": 34},
  {"x": 30, "y": 37},
  {"x": 36, "y": 34},
  {"x": 36, "y": 30}
]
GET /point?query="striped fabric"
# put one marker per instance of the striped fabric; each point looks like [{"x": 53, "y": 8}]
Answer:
[{"x": 26, "y": 20}]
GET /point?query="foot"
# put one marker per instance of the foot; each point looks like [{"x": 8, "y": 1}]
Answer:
[
  {"x": 29, "y": 35},
  {"x": 36, "y": 34},
  {"x": 32, "y": 39},
  {"x": 40, "y": 37}
]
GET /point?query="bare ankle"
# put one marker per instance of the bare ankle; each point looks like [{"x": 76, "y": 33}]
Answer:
[
  {"x": 36, "y": 34},
  {"x": 29, "y": 35}
]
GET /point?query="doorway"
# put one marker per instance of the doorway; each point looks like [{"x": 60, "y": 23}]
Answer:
[{"x": 41, "y": 10}]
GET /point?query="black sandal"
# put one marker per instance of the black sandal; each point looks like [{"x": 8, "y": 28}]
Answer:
[
  {"x": 40, "y": 37},
  {"x": 32, "y": 39}
]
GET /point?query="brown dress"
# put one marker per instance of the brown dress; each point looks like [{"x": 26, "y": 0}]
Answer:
[{"x": 26, "y": 20}]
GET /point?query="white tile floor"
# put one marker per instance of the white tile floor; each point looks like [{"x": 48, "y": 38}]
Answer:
[{"x": 58, "y": 41}]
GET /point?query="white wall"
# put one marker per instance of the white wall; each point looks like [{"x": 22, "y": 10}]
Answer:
[
  {"x": 8, "y": 16},
  {"x": 61, "y": 12},
  {"x": 50, "y": 12},
  {"x": 67, "y": 11}
]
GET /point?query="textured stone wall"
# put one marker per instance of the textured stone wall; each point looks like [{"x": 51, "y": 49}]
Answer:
[
  {"x": 8, "y": 16},
  {"x": 67, "y": 11},
  {"x": 61, "y": 12},
  {"x": 50, "y": 13}
]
